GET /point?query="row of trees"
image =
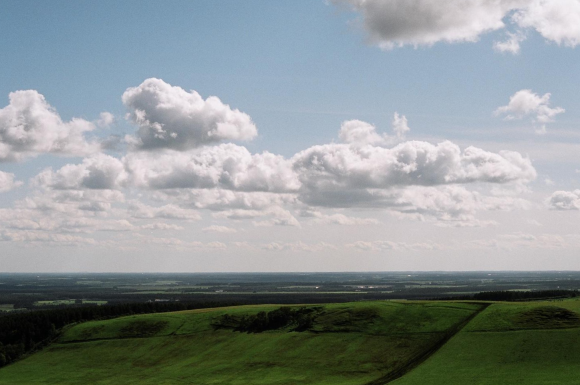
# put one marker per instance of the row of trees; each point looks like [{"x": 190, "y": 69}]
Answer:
[
  {"x": 21, "y": 333},
  {"x": 518, "y": 295},
  {"x": 298, "y": 319}
]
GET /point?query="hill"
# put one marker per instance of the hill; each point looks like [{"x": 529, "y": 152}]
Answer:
[
  {"x": 352, "y": 343},
  {"x": 509, "y": 343}
]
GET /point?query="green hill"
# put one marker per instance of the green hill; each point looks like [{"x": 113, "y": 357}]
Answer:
[
  {"x": 371, "y": 343},
  {"x": 353, "y": 343},
  {"x": 509, "y": 343}
]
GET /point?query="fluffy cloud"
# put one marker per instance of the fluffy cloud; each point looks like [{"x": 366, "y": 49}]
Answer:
[
  {"x": 137, "y": 209},
  {"x": 7, "y": 182},
  {"x": 105, "y": 119},
  {"x": 526, "y": 103},
  {"x": 226, "y": 166},
  {"x": 395, "y": 23},
  {"x": 219, "y": 229},
  {"x": 565, "y": 200},
  {"x": 360, "y": 133},
  {"x": 30, "y": 126},
  {"x": 161, "y": 226},
  {"x": 400, "y": 125},
  {"x": 170, "y": 117},
  {"x": 275, "y": 216},
  {"x": 555, "y": 20},
  {"x": 337, "y": 167},
  {"x": 337, "y": 219},
  {"x": 414, "y": 178},
  {"x": 220, "y": 200},
  {"x": 511, "y": 44},
  {"x": 99, "y": 172}
]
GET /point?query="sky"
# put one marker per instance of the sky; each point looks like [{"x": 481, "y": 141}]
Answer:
[{"x": 338, "y": 135}]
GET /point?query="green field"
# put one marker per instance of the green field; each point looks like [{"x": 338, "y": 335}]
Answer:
[
  {"x": 531, "y": 343},
  {"x": 353, "y": 343},
  {"x": 370, "y": 343}
]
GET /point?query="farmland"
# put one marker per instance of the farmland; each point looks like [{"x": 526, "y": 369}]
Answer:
[{"x": 49, "y": 291}]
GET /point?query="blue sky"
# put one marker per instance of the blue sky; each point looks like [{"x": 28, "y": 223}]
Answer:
[{"x": 299, "y": 70}]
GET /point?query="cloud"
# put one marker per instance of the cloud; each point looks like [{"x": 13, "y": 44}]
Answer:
[
  {"x": 137, "y": 209},
  {"x": 360, "y": 133},
  {"x": 219, "y": 229},
  {"x": 170, "y": 117},
  {"x": 161, "y": 226},
  {"x": 565, "y": 200},
  {"x": 526, "y": 103},
  {"x": 414, "y": 178},
  {"x": 105, "y": 119},
  {"x": 339, "y": 168},
  {"x": 29, "y": 126},
  {"x": 337, "y": 219},
  {"x": 7, "y": 182},
  {"x": 297, "y": 246},
  {"x": 511, "y": 44},
  {"x": 375, "y": 246},
  {"x": 400, "y": 126},
  {"x": 98, "y": 172},
  {"x": 225, "y": 166},
  {"x": 219, "y": 199},
  {"x": 395, "y": 23},
  {"x": 555, "y": 20},
  {"x": 276, "y": 216},
  {"x": 44, "y": 239}
]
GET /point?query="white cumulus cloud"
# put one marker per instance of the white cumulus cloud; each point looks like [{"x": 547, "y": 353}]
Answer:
[
  {"x": 7, "y": 182},
  {"x": 555, "y": 20},
  {"x": 29, "y": 126},
  {"x": 170, "y": 117},
  {"x": 98, "y": 172},
  {"x": 226, "y": 166},
  {"x": 565, "y": 200},
  {"x": 394, "y": 23},
  {"x": 400, "y": 125}
]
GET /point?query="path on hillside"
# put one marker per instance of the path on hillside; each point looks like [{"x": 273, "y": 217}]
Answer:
[{"x": 423, "y": 356}]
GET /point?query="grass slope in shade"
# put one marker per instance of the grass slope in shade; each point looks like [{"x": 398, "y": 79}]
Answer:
[
  {"x": 352, "y": 343},
  {"x": 534, "y": 344}
]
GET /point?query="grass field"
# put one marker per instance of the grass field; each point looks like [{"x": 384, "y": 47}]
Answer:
[
  {"x": 536, "y": 343},
  {"x": 353, "y": 343},
  {"x": 531, "y": 343}
]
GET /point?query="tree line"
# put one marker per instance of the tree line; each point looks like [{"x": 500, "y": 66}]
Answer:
[
  {"x": 506, "y": 295},
  {"x": 22, "y": 333},
  {"x": 297, "y": 319}
]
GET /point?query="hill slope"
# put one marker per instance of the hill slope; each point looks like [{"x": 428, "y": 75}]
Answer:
[
  {"x": 352, "y": 343},
  {"x": 532, "y": 343}
]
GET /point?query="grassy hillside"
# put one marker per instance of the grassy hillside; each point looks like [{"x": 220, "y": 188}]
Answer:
[
  {"x": 352, "y": 343},
  {"x": 531, "y": 343}
]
